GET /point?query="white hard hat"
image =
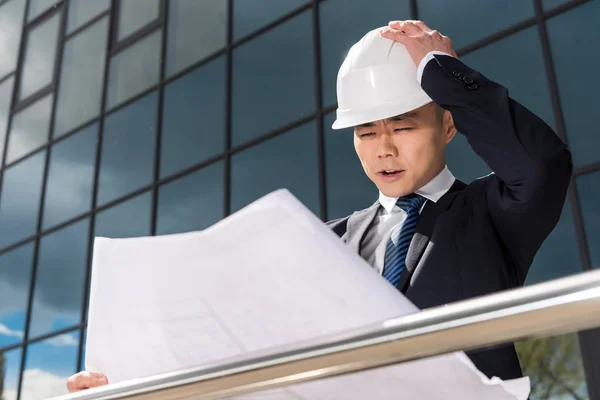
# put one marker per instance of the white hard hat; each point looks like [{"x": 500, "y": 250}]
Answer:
[{"x": 377, "y": 80}]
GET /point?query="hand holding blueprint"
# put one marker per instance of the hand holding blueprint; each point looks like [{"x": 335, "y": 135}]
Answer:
[{"x": 269, "y": 275}]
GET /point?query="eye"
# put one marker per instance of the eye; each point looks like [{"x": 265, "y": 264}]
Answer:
[
  {"x": 362, "y": 135},
  {"x": 402, "y": 129}
]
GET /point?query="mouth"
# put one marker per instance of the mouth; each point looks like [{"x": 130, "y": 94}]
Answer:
[{"x": 390, "y": 174}]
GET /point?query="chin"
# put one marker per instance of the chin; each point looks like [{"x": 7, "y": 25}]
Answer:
[{"x": 394, "y": 191}]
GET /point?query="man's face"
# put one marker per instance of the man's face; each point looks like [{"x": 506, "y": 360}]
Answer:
[{"x": 403, "y": 153}]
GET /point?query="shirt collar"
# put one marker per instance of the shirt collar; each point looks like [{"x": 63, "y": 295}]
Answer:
[{"x": 432, "y": 190}]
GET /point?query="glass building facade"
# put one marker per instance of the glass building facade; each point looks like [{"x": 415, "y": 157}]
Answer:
[{"x": 146, "y": 117}]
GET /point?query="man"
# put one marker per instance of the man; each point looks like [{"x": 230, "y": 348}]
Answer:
[{"x": 435, "y": 238}]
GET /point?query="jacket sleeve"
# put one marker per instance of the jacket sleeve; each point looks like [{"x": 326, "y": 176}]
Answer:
[{"x": 532, "y": 166}]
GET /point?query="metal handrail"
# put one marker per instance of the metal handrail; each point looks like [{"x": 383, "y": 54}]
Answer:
[{"x": 551, "y": 308}]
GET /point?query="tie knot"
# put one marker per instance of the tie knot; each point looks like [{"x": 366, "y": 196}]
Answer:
[{"x": 410, "y": 202}]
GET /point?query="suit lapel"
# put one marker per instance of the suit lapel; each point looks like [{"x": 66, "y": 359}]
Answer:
[
  {"x": 357, "y": 226},
  {"x": 425, "y": 227}
]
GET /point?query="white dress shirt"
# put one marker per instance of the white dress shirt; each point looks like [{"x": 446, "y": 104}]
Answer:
[{"x": 389, "y": 215}]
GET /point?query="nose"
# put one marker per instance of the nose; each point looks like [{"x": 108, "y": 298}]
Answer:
[{"x": 386, "y": 147}]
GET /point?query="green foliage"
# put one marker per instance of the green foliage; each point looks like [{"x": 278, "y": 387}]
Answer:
[{"x": 554, "y": 366}]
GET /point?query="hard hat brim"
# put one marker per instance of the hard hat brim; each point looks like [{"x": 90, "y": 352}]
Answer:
[{"x": 351, "y": 118}]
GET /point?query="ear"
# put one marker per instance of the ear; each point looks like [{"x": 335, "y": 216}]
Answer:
[{"x": 448, "y": 126}]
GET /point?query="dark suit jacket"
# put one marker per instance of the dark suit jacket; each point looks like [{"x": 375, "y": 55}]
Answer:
[{"x": 482, "y": 237}]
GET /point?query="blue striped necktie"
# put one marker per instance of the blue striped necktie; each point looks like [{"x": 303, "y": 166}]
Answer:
[{"x": 402, "y": 234}]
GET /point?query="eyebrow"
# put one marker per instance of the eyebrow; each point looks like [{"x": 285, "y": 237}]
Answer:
[{"x": 397, "y": 118}]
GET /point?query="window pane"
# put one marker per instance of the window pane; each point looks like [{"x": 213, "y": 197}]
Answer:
[
  {"x": 348, "y": 187},
  {"x": 134, "y": 70},
  {"x": 59, "y": 281},
  {"x": 444, "y": 16},
  {"x": 525, "y": 80},
  {"x": 15, "y": 278},
  {"x": 40, "y": 57},
  {"x": 589, "y": 194},
  {"x": 30, "y": 129},
  {"x": 193, "y": 118},
  {"x": 559, "y": 255},
  {"x": 577, "y": 91},
  {"x": 288, "y": 161},
  {"x": 128, "y": 149},
  {"x": 48, "y": 366},
  {"x": 191, "y": 203},
  {"x": 273, "y": 79},
  {"x": 70, "y": 177},
  {"x": 550, "y": 4},
  {"x": 83, "y": 62},
  {"x": 20, "y": 201},
  {"x": 37, "y": 7},
  {"x": 81, "y": 12},
  {"x": 128, "y": 219},
  {"x": 134, "y": 15},
  {"x": 5, "y": 98},
  {"x": 11, "y": 23},
  {"x": 12, "y": 369},
  {"x": 463, "y": 162},
  {"x": 342, "y": 23},
  {"x": 249, "y": 16},
  {"x": 554, "y": 367},
  {"x": 84, "y": 339},
  {"x": 196, "y": 30}
]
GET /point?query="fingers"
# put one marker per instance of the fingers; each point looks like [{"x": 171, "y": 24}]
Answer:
[
  {"x": 394, "y": 34},
  {"x": 411, "y": 27},
  {"x": 86, "y": 380}
]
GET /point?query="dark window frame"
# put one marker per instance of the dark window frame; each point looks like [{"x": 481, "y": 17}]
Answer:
[
  {"x": 118, "y": 45},
  {"x": 542, "y": 15},
  {"x": 20, "y": 104}
]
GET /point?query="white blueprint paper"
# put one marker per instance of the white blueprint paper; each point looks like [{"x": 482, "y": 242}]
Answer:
[{"x": 270, "y": 275}]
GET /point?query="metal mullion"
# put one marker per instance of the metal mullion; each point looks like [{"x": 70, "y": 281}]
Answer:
[
  {"x": 2, "y": 171},
  {"x": 60, "y": 9},
  {"x": 12, "y": 347},
  {"x": 561, "y": 131},
  {"x": 97, "y": 162},
  {"x": 119, "y": 45},
  {"x": 20, "y": 104},
  {"x": 59, "y": 332},
  {"x": 271, "y": 25},
  {"x": 321, "y": 168},
  {"x": 414, "y": 9},
  {"x": 7, "y": 77},
  {"x": 41, "y": 338},
  {"x": 563, "y": 8},
  {"x": 228, "y": 111},
  {"x": 277, "y": 132},
  {"x": 132, "y": 100},
  {"x": 45, "y": 14},
  {"x": 135, "y": 38},
  {"x": 528, "y": 23},
  {"x": 195, "y": 66},
  {"x": 587, "y": 169},
  {"x": 13, "y": 97},
  {"x": 170, "y": 178},
  {"x": 164, "y": 14},
  {"x": 73, "y": 131},
  {"x": 87, "y": 24},
  {"x": 34, "y": 98}
]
